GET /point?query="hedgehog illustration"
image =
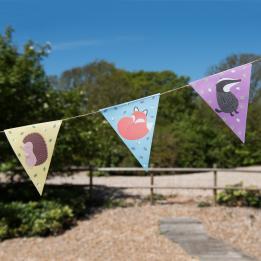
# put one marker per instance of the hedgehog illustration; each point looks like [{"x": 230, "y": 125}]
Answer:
[
  {"x": 35, "y": 149},
  {"x": 226, "y": 100}
]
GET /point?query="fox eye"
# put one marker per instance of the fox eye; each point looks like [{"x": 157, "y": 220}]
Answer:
[{"x": 146, "y": 112}]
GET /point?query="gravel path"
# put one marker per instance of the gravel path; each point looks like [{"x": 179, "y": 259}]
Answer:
[
  {"x": 202, "y": 179},
  {"x": 133, "y": 234}
]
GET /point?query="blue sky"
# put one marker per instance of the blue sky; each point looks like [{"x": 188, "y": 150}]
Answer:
[{"x": 186, "y": 36}]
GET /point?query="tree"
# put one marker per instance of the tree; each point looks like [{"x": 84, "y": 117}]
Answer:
[
  {"x": 102, "y": 85},
  {"x": 237, "y": 60},
  {"x": 187, "y": 134},
  {"x": 25, "y": 92}
]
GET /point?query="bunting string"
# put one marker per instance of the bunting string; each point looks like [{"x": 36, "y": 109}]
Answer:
[
  {"x": 95, "y": 112},
  {"x": 226, "y": 93},
  {"x": 163, "y": 93}
]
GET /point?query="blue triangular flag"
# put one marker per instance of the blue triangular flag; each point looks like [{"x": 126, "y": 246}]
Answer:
[{"x": 134, "y": 122}]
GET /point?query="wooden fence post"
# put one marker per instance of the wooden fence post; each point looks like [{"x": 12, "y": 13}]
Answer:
[
  {"x": 90, "y": 181},
  {"x": 215, "y": 184},
  {"x": 151, "y": 189}
]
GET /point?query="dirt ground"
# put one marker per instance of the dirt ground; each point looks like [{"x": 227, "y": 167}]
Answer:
[{"x": 132, "y": 233}]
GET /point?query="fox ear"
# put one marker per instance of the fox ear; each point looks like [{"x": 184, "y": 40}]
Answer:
[
  {"x": 146, "y": 112},
  {"x": 136, "y": 108}
]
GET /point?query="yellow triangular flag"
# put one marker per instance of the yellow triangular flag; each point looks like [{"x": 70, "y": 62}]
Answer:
[{"x": 33, "y": 146}]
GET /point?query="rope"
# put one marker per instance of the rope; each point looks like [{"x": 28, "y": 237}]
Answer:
[{"x": 163, "y": 93}]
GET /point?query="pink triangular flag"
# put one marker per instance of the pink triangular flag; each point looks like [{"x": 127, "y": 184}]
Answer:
[{"x": 227, "y": 93}]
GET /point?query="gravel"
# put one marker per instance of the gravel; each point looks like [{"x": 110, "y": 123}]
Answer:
[{"x": 133, "y": 234}]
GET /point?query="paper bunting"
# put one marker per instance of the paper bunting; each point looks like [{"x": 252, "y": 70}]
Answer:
[
  {"x": 33, "y": 146},
  {"x": 227, "y": 93},
  {"x": 134, "y": 122}
]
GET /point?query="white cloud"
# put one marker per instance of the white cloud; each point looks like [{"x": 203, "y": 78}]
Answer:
[
  {"x": 87, "y": 43},
  {"x": 74, "y": 44}
]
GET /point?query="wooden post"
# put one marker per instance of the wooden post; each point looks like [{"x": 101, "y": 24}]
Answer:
[
  {"x": 151, "y": 189},
  {"x": 215, "y": 184},
  {"x": 90, "y": 181}
]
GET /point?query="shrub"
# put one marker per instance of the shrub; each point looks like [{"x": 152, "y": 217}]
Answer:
[
  {"x": 240, "y": 197},
  {"x": 74, "y": 197},
  {"x": 204, "y": 204},
  {"x": 24, "y": 213},
  {"x": 33, "y": 218}
]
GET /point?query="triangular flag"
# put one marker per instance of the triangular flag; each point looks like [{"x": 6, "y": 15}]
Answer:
[
  {"x": 227, "y": 93},
  {"x": 33, "y": 146},
  {"x": 134, "y": 122}
]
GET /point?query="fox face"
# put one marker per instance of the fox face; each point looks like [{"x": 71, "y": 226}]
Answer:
[{"x": 139, "y": 116}]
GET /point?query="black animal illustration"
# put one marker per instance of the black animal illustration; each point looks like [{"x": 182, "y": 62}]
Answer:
[{"x": 227, "y": 101}]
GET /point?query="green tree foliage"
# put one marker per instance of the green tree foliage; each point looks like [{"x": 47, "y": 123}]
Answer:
[
  {"x": 25, "y": 93},
  {"x": 187, "y": 134},
  {"x": 101, "y": 84},
  {"x": 23, "y": 84},
  {"x": 238, "y": 59}
]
